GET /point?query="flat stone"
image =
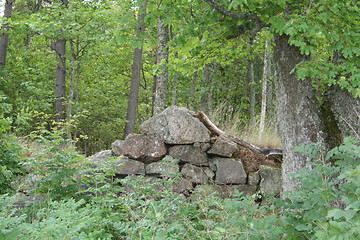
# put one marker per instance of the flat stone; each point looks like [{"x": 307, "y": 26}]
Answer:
[
  {"x": 229, "y": 171},
  {"x": 223, "y": 147},
  {"x": 126, "y": 166},
  {"x": 189, "y": 154},
  {"x": 271, "y": 181},
  {"x": 144, "y": 148},
  {"x": 194, "y": 174}
]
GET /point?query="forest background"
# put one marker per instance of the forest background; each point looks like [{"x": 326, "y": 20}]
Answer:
[
  {"x": 207, "y": 67},
  {"x": 96, "y": 69}
]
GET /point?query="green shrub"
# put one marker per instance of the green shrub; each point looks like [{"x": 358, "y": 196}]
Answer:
[
  {"x": 327, "y": 204},
  {"x": 53, "y": 166},
  {"x": 10, "y": 167}
]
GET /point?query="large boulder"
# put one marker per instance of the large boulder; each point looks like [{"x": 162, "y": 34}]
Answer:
[
  {"x": 176, "y": 125},
  {"x": 223, "y": 147},
  {"x": 229, "y": 171},
  {"x": 144, "y": 148},
  {"x": 189, "y": 154},
  {"x": 194, "y": 174},
  {"x": 126, "y": 166},
  {"x": 271, "y": 181}
]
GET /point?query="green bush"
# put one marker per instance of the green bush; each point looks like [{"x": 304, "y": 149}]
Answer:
[
  {"x": 327, "y": 204},
  {"x": 10, "y": 167}
]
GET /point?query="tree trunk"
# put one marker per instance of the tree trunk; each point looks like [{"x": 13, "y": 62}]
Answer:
[
  {"x": 193, "y": 103},
  {"x": 346, "y": 110},
  {"x": 4, "y": 40},
  {"x": 60, "y": 47},
  {"x": 135, "y": 78},
  {"x": 174, "y": 91},
  {"x": 74, "y": 69},
  {"x": 297, "y": 110},
  {"x": 265, "y": 78},
  {"x": 206, "y": 98},
  {"x": 270, "y": 89},
  {"x": 252, "y": 92},
  {"x": 162, "y": 77}
]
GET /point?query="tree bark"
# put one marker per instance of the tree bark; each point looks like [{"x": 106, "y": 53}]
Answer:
[
  {"x": 4, "y": 40},
  {"x": 252, "y": 92},
  {"x": 174, "y": 90},
  {"x": 193, "y": 103},
  {"x": 346, "y": 110},
  {"x": 135, "y": 78},
  {"x": 162, "y": 77},
  {"x": 206, "y": 98},
  {"x": 264, "y": 89},
  {"x": 298, "y": 113},
  {"x": 60, "y": 47}
]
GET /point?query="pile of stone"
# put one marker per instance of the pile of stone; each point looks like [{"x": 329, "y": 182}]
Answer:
[{"x": 174, "y": 142}]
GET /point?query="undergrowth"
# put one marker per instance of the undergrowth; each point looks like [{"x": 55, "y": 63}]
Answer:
[{"x": 69, "y": 197}]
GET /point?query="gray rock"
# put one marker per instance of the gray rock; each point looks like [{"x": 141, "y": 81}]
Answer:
[
  {"x": 212, "y": 164},
  {"x": 182, "y": 185},
  {"x": 189, "y": 154},
  {"x": 100, "y": 156},
  {"x": 222, "y": 191},
  {"x": 116, "y": 148},
  {"x": 126, "y": 166},
  {"x": 245, "y": 189},
  {"x": 271, "y": 181},
  {"x": 176, "y": 125},
  {"x": 144, "y": 148},
  {"x": 229, "y": 171},
  {"x": 254, "y": 178},
  {"x": 163, "y": 168},
  {"x": 204, "y": 146},
  {"x": 194, "y": 174},
  {"x": 209, "y": 173},
  {"x": 223, "y": 147}
]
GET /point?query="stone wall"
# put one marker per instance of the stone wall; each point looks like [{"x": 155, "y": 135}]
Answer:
[{"x": 176, "y": 142}]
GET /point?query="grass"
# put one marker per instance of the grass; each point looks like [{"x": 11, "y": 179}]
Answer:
[{"x": 237, "y": 124}]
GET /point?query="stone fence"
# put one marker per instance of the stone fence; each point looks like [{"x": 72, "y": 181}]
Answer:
[{"x": 174, "y": 142}]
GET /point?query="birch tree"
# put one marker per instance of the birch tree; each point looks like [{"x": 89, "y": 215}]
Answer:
[
  {"x": 161, "y": 82},
  {"x": 264, "y": 92}
]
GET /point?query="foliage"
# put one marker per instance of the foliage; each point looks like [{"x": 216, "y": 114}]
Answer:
[
  {"x": 53, "y": 166},
  {"x": 10, "y": 167},
  {"x": 327, "y": 204}
]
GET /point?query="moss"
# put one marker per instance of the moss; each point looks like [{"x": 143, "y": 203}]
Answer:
[{"x": 331, "y": 128}]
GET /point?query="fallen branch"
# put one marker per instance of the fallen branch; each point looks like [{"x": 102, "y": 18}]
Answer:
[{"x": 215, "y": 131}]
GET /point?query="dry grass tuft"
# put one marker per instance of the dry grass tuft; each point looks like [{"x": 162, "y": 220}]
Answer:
[{"x": 237, "y": 125}]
